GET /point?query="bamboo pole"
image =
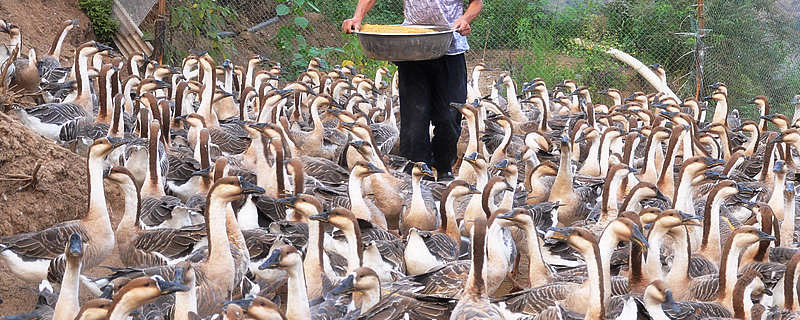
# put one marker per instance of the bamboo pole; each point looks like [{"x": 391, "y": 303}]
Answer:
[{"x": 700, "y": 52}]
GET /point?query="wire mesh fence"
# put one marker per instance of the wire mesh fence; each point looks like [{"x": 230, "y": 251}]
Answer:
[{"x": 751, "y": 45}]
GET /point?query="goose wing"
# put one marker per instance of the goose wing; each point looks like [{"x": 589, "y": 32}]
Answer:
[
  {"x": 230, "y": 138},
  {"x": 170, "y": 243},
  {"x": 45, "y": 244},
  {"x": 82, "y": 127},
  {"x": 536, "y": 300},
  {"x": 324, "y": 170},
  {"x": 385, "y": 135},
  {"x": 704, "y": 288},
  {"x": 440, "y": 245},
  {"x": 156, "y": 211},
  {"x": 404, "y": 305},
  {"x": 57, "y": 113}
]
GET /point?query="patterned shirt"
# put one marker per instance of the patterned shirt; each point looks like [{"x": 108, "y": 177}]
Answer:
[{"x": 438, "y": 12}]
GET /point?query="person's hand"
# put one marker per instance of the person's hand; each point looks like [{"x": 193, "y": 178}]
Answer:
[
  {"x": 462, "y": 26},
  {"x": 351, "y": 25}
]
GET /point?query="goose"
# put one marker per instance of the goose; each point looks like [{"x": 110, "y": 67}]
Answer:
[
  {"x": 585, "y": 242},
  {"x": 474, "y": 303},
  {"x": 663, "y": 224},
  {"x": 67, "y": 306},
  {"x": 47, "y": 119},
  {"x": 215, "y": 271},
  {"x": 263, "y": 309},
  {"x": 288, "y": 258},
  {"x": 36, "y": 256},
  {"x": 661, "y": 305},
  {"x": 49, "y": 65},
  {"x": 360, "y": 207},
  {"x": 95, "y": 309},
  {"x": 543, "y": 174},
  {"x": 140, "y": 247},
  {"x": 99, "y": 127},
  {"x": 574, "y": 201},
  {"x": 417, "y": 215},
  {"x": 26, "y": 76},
  {"x": 44, "y": 308},
  {"x": 157, "y": 206},
  {"x": 719, "y": 287},
  {"x": 396, "y": 305},
  {"x": 711, "y": 246},
  {"x": 140, "y": 291},
  {"x": 426, "y": 250}
]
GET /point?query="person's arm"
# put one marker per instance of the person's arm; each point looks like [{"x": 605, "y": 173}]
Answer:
[
  {"x": 462, "y": 23},
  {"x": 354, "y": 23}
]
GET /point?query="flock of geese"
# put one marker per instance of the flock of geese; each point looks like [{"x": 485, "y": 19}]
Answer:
[{"x": 248, "y": 195}]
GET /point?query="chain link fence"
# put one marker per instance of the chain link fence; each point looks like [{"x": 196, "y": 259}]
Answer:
[{"x": 751, "y": 45}]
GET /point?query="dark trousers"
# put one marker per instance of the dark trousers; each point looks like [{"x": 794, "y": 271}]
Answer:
[{"x": 426, "y": 90}]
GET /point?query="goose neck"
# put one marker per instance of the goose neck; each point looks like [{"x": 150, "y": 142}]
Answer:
[
  {"x": 538, "y": 273},
  {"x": 97, "y": 199},
  {"x": 653, "y": 265},
  {"x": 357, "y": 203},
  {"x": 297, "y": 306},
  {"x": 711, "y": 239},
  {"x": 219, "y": 258},
  {"x": 68, "y": 305}
]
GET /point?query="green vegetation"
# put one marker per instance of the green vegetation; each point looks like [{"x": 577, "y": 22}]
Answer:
[
  {"x": 290, "y": 39},
  {"x": 103, "y": 23},
  {"x": 203, "y": 19}
]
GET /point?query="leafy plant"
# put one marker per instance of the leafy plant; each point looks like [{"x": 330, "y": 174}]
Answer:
[
  {"x": 103, "y": 22},
  {"x": 203, "y": 18},
  {"x": 290, "y": 38}
]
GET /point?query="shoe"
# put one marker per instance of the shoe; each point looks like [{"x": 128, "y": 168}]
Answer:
[{"x": 445, "y": 176}]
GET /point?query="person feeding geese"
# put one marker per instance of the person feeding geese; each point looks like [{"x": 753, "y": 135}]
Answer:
[{"x": 428, "y": 87}]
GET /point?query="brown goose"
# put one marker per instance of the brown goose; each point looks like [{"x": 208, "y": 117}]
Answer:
[
  {"x": 138, "y": 247},
  {"x": 474, "y": 304},
  {"x": 396, "y": 305},
  {"x": 140, "y": 291},
  {"x": 49, "y": 65},
  {"x": 39, "y": 255}
]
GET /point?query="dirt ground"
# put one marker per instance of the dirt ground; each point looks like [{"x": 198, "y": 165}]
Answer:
[
  {"x": 60, "y": 195},
  {"x": 39, "y": 21}
]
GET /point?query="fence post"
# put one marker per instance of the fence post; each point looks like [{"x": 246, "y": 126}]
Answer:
[
  {"x": 161, "y": 29},
  {"x": 699, "y": 50}
]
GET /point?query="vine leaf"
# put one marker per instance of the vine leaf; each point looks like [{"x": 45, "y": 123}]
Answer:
[
  {"x": 301, "y": 22},
  {"x": 282, "y": 9}
]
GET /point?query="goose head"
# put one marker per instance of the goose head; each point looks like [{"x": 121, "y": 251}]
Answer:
[
  {"x": 577, "y": 238},
  {"x": 74, "y": 249},
  {"x": 363, "y": 169},
  {"x": 338, "y": 217},
  {"x": 360, "y": 280},
  {"x": 119, "y": 175},
  {"x": 778, "y": 119},
  {"x": 649, "y": 215},
  {"x": 717, "y": 96},
  {"x": 627, "y": 230},
  {"x": 93, "y": 47},
  {"x": 671, "y": 218},
  {"x": 103, "y": 146},
  {"x": 232, "y": 188},
  {"x": 304, "y": 204},
  {"x": 146, "y": 289},
  {"x": 506, "y": 167},
  {"x": 95, "y": 309},
  {"x": 481, "y": 67},
  {"x": 195, "y": 120},
  {"x": 745, "y": 236},
  {"x": 364, "y": 148},
  {"x": 719, "y": 87},
  {"x": 421, "y": 169},
  {"x": 657, "y": 293},
  {"x": 261, "y": 308},
  {"x": 646, "y": 190},
  {"x": 546, "y": 168},
  {"x": 523, "y": 218},
  {"x": 696, "y": 166},
  {"x": 748, "y": 126},
  {"x": 283, "y": 257}
]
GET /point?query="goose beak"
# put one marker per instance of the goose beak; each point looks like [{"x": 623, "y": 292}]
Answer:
[
  {"x": 162, "y": 84},
  {"x": 689, "y": 220},
  {"x": 767, "y": 117},
  {"x": 669, "y": 302},
  {"x": 661, "y": 196},
  {"x": 506, "y": 216},
  {"x": 168, "y": 287},
  {"x": 101, "y": 47},
  {"x": 712, "y": 163},
  {"x": 762, "y": 236},
  {"x": 425, "y": 170},
  {"x": 106, "y": 173},
  {"x": 75, "y": 245},
  {"x": 244, "y": 303},
  {"x": 743, "y": 189},
  {"x": 289, "y": 202},
  {"x": 249, "y": 187},
  {"x": 357, "y": 144},
  {"x": 473, "y": 190},
  {"x": 374, "y": 169},
  {"x": 639, "y": 238},
  {"x": 604, "y": 91},
  {"x": 347, "y": 286},
  {"x": 255, "y": 125},
  {"x": 796, "y": 99},
  {"x": 348, "y": 125},
  {"x": 273, "y": 260},
  {"x": 502, "y": 165},
  {"x": 471, "y": 158},
  {"x": 559, "y": 233},
  {"x": 322, "y": 217}
]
